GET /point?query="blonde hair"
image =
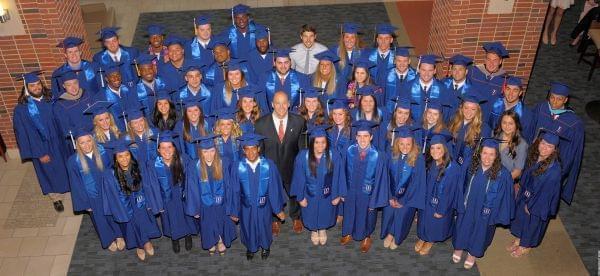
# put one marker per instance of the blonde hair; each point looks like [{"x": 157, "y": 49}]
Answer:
[
  {"x": 99, "y": 133},
  {"x": 217, "y": 167},
  {"x": 331, "y": 83},
  {"x": 229, "y": 87},
  {"x": 342, "y": 49},
  {"x": 474, "y": 130},
  {"x": 147, "y": 130},
  {"x": 96, "y": 154},
  {"x": 412, "y": 154},
  {"x": 439, "y": 124},
  {"x": 236, "y": 131}
]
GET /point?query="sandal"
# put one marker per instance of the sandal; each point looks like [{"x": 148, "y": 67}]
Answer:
[
  {"x": 520, "y": 252},
  {"x": 112, "y": 247},
  {"x": 419, "y": 245},
  {"x": 456, "y": 257},
  {"x": 221, "y": 248},
  {"x": 149, "y": 248},
  {"x": 141, "y": 254},
  {"x": 468, "y": 265},
  {"x": 426, "y": 248},
  {"x": 512, "y": 246},
  {"x": 212, "y": 251}
]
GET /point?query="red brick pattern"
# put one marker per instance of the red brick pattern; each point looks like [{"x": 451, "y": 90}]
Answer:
[
  {"x": 462, "y": 26},
  {"x": 46, "y": 22}
]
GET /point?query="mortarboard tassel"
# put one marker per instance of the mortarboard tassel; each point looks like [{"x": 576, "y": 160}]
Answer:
[
  {"x": 125, "y": 120},
  {"x": 232, "y": 19},
  {"x": 72, "y": 140},
  {"x": 195, "y": 27},
  {"x": 300, "y": 91},
  {"x": 25, "y": 86},
  {"x": 157, "y": 140},
  {"x": 393, "y": 134},
  {"x": 419, "y": 62},
  {"x": 137, "y": 68},
  {"x": 504, "y": 82},
  {"x": 268, "y": 35},
  {"x": 101, "y": 76}
]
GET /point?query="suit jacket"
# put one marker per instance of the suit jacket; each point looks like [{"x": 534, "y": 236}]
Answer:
[{"x": 283, "y": 153}]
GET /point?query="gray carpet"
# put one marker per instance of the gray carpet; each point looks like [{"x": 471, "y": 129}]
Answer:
[{"x": 294, "y": 254}]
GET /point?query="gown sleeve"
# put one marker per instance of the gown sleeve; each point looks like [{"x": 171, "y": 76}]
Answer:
[
  {"x": 381, "y": 193},
  {"x": 546, "y": 201},
  {"x": 152, "y": 188},
  {"x": 505, "y": 204},
  {"x": 233, "y": 194},
  {"x": 192, "y": 191},
  {"x": 78, "y": 194},
  {"x": 277, "y": 196},
  {"x": 299, "y": 177},
  {"x": 113, "y": 201},
  {"x": 416, "y": 190}
]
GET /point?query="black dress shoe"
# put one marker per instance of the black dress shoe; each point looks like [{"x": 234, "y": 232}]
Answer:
[
  {"x": 249, "y": 255},
  {"x": 176, "y": 247},
  {"x": 188, "y": 243},
  {"x": 264, "y": 254},
  {"x": 58, "y": 206}
]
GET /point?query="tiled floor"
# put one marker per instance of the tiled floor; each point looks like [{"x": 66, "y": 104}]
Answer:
[{"x": 36, "y": 243}]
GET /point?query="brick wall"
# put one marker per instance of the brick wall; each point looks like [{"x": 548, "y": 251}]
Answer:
[
  {"x": 46, "y": 22},
  {"x": 462, "y": 26}
]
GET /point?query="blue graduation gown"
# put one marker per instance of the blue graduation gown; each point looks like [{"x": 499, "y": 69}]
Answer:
[
  {"x": 570, "y": 126},
  {"x": 186, "y": 147},
  {"x": 196, "y": 54},
  {"x": 174, "y": 77},
  {"x": 247, "y": 126},
  {"x": 293, "y": 81},
  {"x": 87, "y": 78},
  {"x": 70, "y": 117},
  {"x": 184, "y": 93},
  {"x": 132, "y": 211},
  {"x": 541, "y": 195},
  {"x": 143, "y": 148},
  {"x": 424, "y": 140},
  {"x": 461, "y": 152},
  {"x": 255, "y": 197},
  {"x": 418, "y": 97},
  {"x": 345, "y": 72},
  {"x": 408, "y": 187},
  {"x": 229, "y": 149},
  {"x": 394, "y": 86},
  {"x": 338, "y": 142},
  {"x": 127, "y": 98},
  {"x": 128, "y": 54},
  {"x": 417, "y": 135},
  {"x": 146, "y": 96},
  {"x": 364, "y": 189},
  {"x": 453, "y": 98},
  {"x": 241, "y": 45},
  {"x": 219, "y": 99},
  {"x": 318, "y": 190},
  {"x": 37, "y": 136},
  {"x": 169, "y": 200},
  {"x": 259, "y": 65},
  {"x": 208, "y": 199},
  {"x": 442, "y": 197},
  {"x": 214, "y": 75},
  {"x": 485, "y": 203},
  {"x": 382, "y": 67},
  {"x": 87, "y": 193},
  {"x": 487, "y": 85},
  {"x": 526, "y": 118}
]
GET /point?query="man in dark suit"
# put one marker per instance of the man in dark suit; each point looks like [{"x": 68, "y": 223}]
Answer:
[{"x": 285, "y": 137}]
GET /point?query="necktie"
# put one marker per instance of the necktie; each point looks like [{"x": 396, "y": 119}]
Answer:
[
  {"x": 282, "y": 81},
  {"x": 362, "y": 155},
  {"x": 455, "y": 87},
  {"x": 281, "y": 131},
  {"x": 307, "y": 62},
  {"x": 403, "y": 156},
  {"x": 115, "y": 58},
  {"x": 382, "y": 56},
  {"x": 401, "y": 78},
  {"x": 425, "y": 88}
]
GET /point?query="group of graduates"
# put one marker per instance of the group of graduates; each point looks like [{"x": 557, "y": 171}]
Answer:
[{"x": 169, "y": 133}]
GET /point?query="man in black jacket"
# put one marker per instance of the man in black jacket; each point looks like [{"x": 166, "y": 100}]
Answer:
[{"x": 285, "y": 137}]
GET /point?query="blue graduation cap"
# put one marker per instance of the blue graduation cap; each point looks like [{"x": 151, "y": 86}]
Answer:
[
  {"x": 515, "y": 81},
  {"x": 144, "y": 58},
  {"x": 560, "y": 89},
  {"x": 429, "y": 59},
  {"x": 172, "y": 39},
  {"x": 250, "y": 139},
  {"x": 350, "y": 28},
  {"x": 134, "y": 113},
  {"x": 434, "y": 104},
  {"x": 154, "y": 29},
  {"x": 460, "y": 60},
  {"x": 551, "y": 137},
  {"x": 239, "y": 9},
  {"x": 364, "y": 125},
  {"x": 368, "y": 90},
  {"x": 248, "y": 91},
  {"x": 97, "y": 108},
  {"x": 220, "y": 40},
  {"x": 235, "y": 64},
  {"x": 202, "y": 19},
  {"x": 403, "y": 51},
  {"x": 490, "y": 143},
  {"x": 315, "y": 131},
  {"x": 112, "y": 68},
  {"x": 261, "y": 33},
  {"x": 385, "y": 28},
  {"x": 495, "y": 47},
  {"x": 312, "y": 92},
  {"x": 441, "y": 138},
  {"x": 473, "y": 98},
  {"x": 401, "y": 102},
  {"x": 79, "y": 132},
  {"x": 70, "y": 42},
  {"x": 327, "y": 55},
  {"x": 225, "y": 113},
  {"x": 68, "y": 75},
  {"x": 30, "y": 77},
  {"x": 402, "y": 132},
  {"x": 108, "y": 32},
  {"x": 364, "y": 63},
  {"x": 190, "y": 102},
  {"x": 166, "y": 136},
  {"x": 193, "y": 67},
  {"x": 283, "y": 52},
  {"x": 164, "y": 94},
  {"x": 338, "y": 103},
  {"x": 119, "y": 145},
  {"x": 206, "y": 142}
]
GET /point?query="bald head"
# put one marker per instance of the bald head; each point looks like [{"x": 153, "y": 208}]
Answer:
[{"x": 281, "y": 103}]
